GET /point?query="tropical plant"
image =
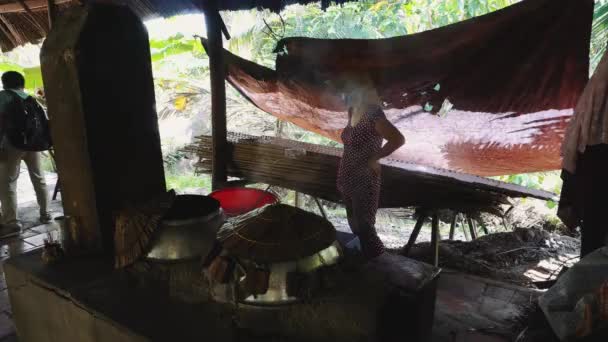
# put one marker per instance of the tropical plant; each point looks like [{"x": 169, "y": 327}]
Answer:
[
  {"x": 599, "y": 32},
  {"x": 362, "y": 19},
  {"x": 181, "y": 65}
]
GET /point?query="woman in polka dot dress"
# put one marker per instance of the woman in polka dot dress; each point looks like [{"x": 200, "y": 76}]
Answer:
[{"x": 359, "y": 172}]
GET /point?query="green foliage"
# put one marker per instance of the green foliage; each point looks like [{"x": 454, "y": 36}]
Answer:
[
  {"x": 182, "y": 182},
  {"x": 599, "y": 32},
  {"x": 178, "y": 44},
  {"x": 548, "y": 181},
  {"x": 33, "y": 75},
  {"x": 182, "y": 87},
  {"x": 171, "y": 159}
]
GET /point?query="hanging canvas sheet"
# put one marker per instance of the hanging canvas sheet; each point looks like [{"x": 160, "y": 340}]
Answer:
[{"x": 487, "y": 96}]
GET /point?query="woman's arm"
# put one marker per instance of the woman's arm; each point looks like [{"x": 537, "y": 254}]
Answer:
[{"x": 394, "y": 138}]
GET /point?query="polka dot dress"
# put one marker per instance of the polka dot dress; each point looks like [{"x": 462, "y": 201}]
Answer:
[{"x": 358, "y": 183}]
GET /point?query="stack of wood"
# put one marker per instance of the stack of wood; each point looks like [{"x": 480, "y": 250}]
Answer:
[{"x": 312, "y": 169}]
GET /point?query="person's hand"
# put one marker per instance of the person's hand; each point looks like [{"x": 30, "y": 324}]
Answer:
[{"x": 374, "y": 164}]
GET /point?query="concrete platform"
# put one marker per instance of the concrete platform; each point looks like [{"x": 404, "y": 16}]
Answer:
[
  {"x": 88, "y": 294},
  {"x": 86, "y": 300}
]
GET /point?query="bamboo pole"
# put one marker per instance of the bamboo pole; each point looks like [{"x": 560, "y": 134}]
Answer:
[{"x": 218, "y": 97}]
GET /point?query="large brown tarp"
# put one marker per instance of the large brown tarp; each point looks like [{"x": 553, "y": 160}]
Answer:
[{"x": 513, "y": 77}]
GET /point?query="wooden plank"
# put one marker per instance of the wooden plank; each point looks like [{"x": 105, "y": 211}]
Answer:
[{"x": 217, "y": 73}]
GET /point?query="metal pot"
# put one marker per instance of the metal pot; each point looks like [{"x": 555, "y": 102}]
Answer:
[
  {"x": 280, "y": 276},
  {"x": 188, "y": 230}
]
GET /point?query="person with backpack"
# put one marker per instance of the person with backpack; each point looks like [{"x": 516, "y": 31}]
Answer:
[{"x": 24, "y": 133}]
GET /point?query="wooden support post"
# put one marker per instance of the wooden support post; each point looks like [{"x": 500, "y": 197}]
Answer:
[
  {"x": 435, "y": 237},
  {"x": 505, "y": 223},
  {"x": 321, "y": 209},
  {"x": 463, "y": 224},
  {"x": 472, "y": 227},
  {"x": 414, "y": 236},
  {"x": 87, "y": 106},
  {"x": 453, "y": 225},
  {"x": 52, "y": 10},
  {"x": 483, "y": 226},
  {"x": 217, "y": 73},
  {"x": 296, "y": 199}
]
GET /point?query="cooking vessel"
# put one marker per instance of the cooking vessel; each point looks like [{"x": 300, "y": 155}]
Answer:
[
  {"x": 283, "y": 275},
  {"x": 188, "y": 230}
]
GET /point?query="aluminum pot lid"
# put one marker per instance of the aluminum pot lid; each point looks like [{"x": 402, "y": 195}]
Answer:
[{"x": 276, "y": 233}]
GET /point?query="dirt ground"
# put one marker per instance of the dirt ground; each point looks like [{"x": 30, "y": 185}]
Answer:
[
  {"x": 522, "y": 257},
  {"x": 530, "y": 249}
]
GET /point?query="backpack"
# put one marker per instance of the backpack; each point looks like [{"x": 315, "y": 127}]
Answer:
[{"x": 27, "y": 124}]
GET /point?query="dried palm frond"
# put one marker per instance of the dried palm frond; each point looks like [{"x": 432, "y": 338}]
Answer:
[{"x": 135, "y": 227}]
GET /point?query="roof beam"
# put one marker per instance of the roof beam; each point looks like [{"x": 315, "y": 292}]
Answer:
[
  {"x": 18, "y": 37},
  {"x": 33, "y": 5},
  {"x": 8, "y": 34},
  {"x": 27, "y": 9}
]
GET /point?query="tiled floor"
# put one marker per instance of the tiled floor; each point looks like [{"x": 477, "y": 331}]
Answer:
[{"x": 31, "y": 238}]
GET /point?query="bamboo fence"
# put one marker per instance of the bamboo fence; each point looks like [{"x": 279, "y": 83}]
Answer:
[{"x": 312, "y": 169}]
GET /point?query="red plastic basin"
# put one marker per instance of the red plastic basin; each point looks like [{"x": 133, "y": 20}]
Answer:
[{"x": 238, "y": 201}]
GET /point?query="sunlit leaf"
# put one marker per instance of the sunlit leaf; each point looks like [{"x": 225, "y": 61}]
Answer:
[
  {"x": 378, "y": 6},
  {"x": 180, "y": 103}
]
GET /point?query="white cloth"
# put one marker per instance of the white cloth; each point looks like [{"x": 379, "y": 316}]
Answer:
[{"x": 589, "y": 124}]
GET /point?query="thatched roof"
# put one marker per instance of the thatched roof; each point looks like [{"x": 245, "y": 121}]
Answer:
[{"x": 26, "y": 21}]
